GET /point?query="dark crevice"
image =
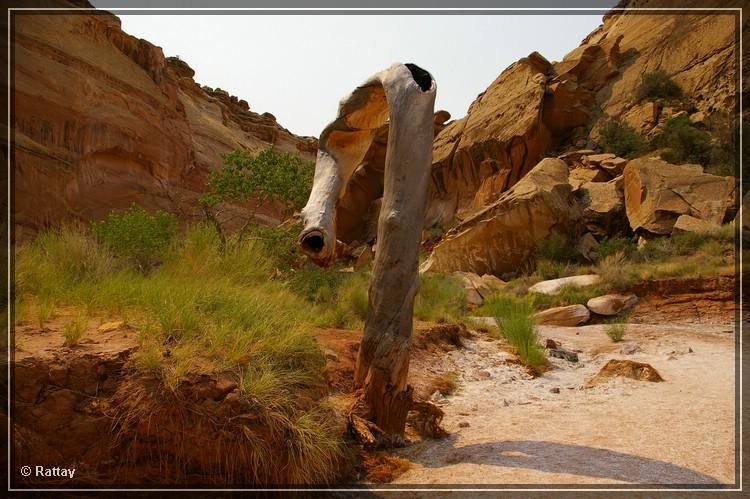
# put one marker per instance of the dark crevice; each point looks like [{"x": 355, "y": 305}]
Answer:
[{"x": 422, "y": 77}]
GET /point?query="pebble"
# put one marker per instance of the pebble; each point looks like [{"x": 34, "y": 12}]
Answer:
[
  {"x": 463, "y": 424},
  {"x": 554, "y": 390}
]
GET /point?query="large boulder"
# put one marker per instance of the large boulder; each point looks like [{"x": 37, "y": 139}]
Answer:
[
  {"x": 603, "y": 206},
  {"x": 657, "y": 193},
  {"x": 686, "y": 223},
  {"x": 583, "y": 175},
  {"x": 479, "y": 288},
  {"x": 503, "y": 235},
  {"x": 571, "y": 315},
  {"x": 611, "y": 304},
  {"x": 500, "y": 140},
  {"x": 553, "y": 286}
]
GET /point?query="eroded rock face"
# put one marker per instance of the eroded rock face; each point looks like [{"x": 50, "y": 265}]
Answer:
[
  {"x": 500, "y": 237},
  {"x": 528, "y": 109},
  {"x": 103, "y": 119},
  {"x": 603, "y": 206},
  {"x": 697, "y": 51},
  {"x": 657, "y": 193}
]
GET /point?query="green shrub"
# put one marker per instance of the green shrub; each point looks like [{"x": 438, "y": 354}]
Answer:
[
  {"x": 616, "y": 331},
  {"x": 280, "y": 243},
  {"x": 684, "y": 142},
  {"x": 622, "y": 140},
  {"x": 137, "y": 235},
  {"x": 657, "y": 85},
  {"x": 514, "y": 316}
]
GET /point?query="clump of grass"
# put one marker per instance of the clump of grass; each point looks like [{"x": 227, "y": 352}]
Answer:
[
  {"x": 45, "y": 307},
  {"x": 441, "y": 298},
  {"x": 616, "y": 331},
  {"x": 73, "y": 330},
  {"x": 446, "y": 383},
  {"x": 615, "y": 244},
  {"x": 514, "y": 317},
  {"x": 614, "y": 275}
]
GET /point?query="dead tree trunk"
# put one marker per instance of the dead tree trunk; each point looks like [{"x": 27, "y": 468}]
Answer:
[{"x": 405, "y": 96}]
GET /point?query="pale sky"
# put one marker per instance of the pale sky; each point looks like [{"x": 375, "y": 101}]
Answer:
[{"x": 299, "y": 67}]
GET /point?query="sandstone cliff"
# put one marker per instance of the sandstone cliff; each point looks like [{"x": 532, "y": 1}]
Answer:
[
  {"x": 536, "y": 107},
  {"x": 102, "y": 119}
]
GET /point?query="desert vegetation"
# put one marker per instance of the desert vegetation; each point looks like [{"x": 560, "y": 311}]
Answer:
[{"x": 679, "y": 140}]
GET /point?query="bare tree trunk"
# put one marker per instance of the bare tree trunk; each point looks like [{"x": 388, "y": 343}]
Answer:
[{"x": 405, "y": 94}]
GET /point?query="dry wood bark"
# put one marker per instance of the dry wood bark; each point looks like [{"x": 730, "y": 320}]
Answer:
[{"x": 405, "y": 96}]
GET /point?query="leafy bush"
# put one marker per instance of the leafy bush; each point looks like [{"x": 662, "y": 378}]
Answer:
[
  {"x": 137, "y": 235},
  {"x": 684, "y": 142},
  {"x": 621, "y": 139},
  {"x": 514, "y": 317},
  {"x": 266, "y": 177},
  {"x": 683, "y": 244},
  {"x": 657, "y": 85}
]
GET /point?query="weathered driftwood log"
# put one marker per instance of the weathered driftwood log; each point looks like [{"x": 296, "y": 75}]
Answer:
[{"x": 403, "y": 94}]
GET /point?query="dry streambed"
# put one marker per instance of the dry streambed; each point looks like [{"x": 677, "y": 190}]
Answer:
[{"x": 510, "y": 428}]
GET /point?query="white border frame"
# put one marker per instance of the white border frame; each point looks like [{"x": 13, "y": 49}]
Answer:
[{"x": 356, "y": 10}]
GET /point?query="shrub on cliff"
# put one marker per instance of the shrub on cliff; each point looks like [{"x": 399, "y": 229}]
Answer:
[
  {"x": 684, "y": 143},
  {"x": 657, "y": 85},
  {"x": 622, "y": 140}
]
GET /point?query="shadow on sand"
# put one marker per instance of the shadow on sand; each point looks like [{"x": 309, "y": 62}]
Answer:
[{"x": 569, "y": 459}]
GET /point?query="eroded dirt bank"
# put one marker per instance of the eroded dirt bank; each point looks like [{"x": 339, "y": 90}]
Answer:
[{"x": 81, "y": 405}]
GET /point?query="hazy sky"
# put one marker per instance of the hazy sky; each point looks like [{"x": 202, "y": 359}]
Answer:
[{"x": 298, "y": 67}]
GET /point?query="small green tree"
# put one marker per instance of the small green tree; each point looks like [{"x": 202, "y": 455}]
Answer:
[
  {"x": 267, "y": 177},
  {"x": 137, "y": 235}
]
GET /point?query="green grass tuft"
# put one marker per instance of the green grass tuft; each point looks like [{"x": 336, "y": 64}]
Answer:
[
  {"x": 616, "y": 331},
  {"x": 514, "y": 316},
  {"x": 441, "y": 298}
]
